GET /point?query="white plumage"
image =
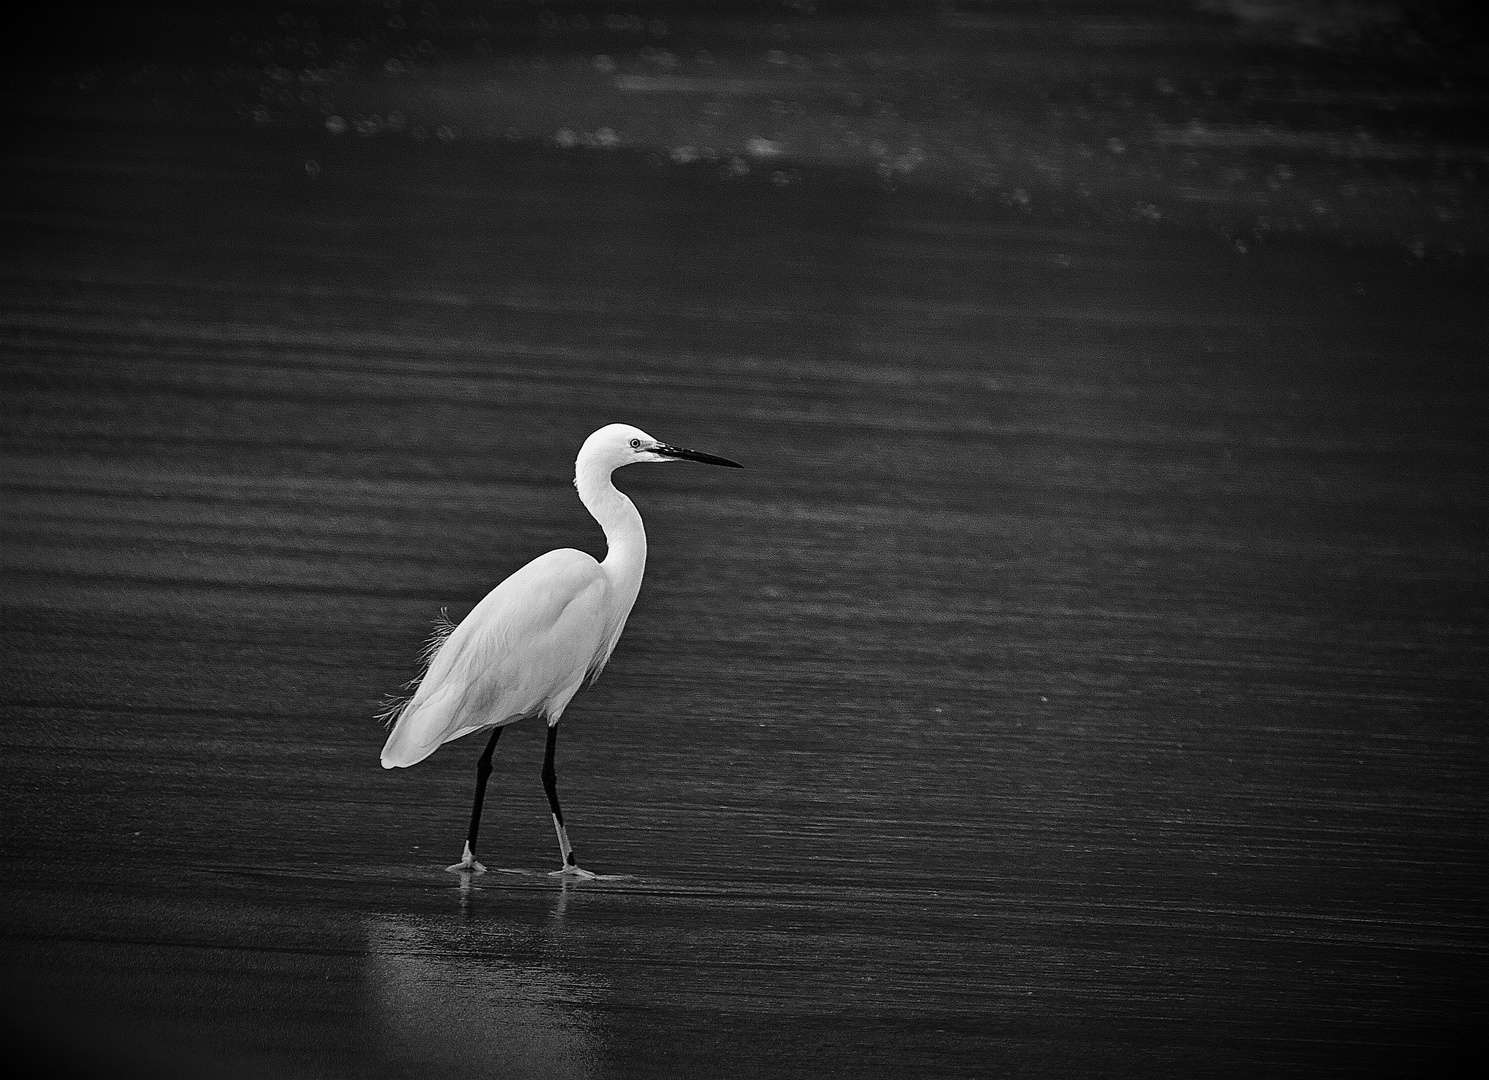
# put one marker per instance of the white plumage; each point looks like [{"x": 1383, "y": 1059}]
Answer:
[
  {"x": 527, "y": 647},
  {"x": 522, "y": 651}
]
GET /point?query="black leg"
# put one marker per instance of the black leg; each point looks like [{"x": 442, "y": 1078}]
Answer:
[
  {"x": 467, "y": 863},
  {"x": 550, "y": 786},
  {"x": 483, "y": 774}
]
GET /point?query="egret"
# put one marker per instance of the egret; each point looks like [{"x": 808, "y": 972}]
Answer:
[{"x": 525, "y": 650}]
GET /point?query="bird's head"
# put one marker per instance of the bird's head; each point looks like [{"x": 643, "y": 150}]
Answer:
[{"x": 616, "y": 445}]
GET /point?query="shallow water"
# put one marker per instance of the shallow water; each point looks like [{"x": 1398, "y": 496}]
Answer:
[{"x": 1083, "y": 678}]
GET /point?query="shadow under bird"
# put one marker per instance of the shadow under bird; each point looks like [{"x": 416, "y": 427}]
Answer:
[{"x": 525, "y": 650}]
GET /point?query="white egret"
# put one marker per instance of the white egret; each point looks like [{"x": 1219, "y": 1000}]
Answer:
[{"x": 525, "y": 649}]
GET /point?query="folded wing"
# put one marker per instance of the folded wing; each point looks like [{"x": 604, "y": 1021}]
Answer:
[{"x": 522, "y": 651}]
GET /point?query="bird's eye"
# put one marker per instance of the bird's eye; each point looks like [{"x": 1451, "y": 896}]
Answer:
[{"x": 635, "y": 444}]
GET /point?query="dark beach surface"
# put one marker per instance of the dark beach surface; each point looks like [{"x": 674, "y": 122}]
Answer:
[{"x": 1085, "y": 677}]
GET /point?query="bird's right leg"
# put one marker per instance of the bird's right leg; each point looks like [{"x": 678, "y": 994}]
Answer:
[
  {"x": 550, "y": 787},
  {"x": 467, "y": 863}
]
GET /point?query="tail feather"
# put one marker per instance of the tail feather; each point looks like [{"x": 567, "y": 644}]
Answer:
[{"x": 422, "y": 726}]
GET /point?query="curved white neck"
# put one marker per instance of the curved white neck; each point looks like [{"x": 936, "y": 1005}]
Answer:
[{"x": 625, "y": 537}]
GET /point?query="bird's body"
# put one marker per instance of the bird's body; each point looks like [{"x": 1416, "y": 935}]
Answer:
[
  {"x": 522, "y": 651},
  {"x": 525, "y": 650}
]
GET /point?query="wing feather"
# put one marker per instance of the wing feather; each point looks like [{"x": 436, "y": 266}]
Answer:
[{"x": 522, "y": 651}]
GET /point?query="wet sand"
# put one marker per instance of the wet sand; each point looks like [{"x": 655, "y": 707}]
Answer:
[{"x": 1085, "y": 676}]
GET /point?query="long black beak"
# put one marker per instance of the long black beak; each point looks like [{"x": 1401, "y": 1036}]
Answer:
[{"x": 694, "y": 455}]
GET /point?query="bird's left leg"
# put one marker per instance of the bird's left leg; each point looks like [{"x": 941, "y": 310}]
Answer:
[
  {"x": 550, "y": 786},
  {"x": 467, "y": 863}
]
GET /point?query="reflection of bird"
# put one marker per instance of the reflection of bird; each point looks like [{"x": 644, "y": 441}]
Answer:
[
  {"x": 527, "y": 647},
  {"x": 477, "y": 996}
]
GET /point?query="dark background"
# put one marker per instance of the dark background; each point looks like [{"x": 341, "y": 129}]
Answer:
[{"x": 1084, "y": 678}]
